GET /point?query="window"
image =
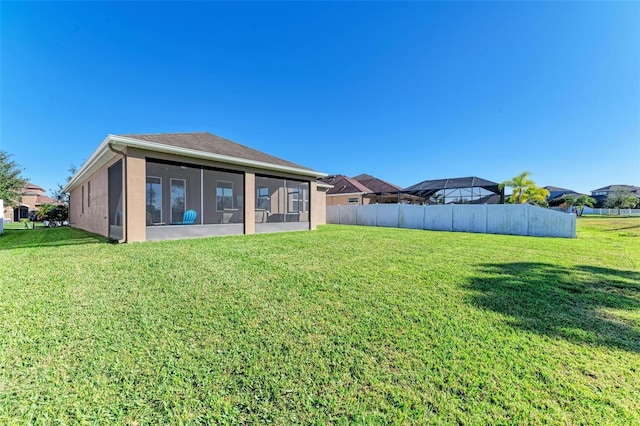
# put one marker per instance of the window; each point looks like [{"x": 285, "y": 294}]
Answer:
[
  {"x": 262, "y": 198},
  {"x": 224, "y": 195},
  {"x": 82, "y": 199},
  {"x": 154, "y": 200},
  {"x": 89, "y": 194},
  {"x": 178, "y": 199},
  {"x": 353, "y": 200},
  {"x": 294, "y": 200},
  {"x": 305, "y": 199}
]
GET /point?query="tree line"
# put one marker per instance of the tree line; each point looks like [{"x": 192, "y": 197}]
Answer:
[{"x": 525, "y": 190}]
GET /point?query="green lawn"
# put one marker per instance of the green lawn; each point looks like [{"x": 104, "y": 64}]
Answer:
[
  {"x": 340, "y": 325},
  {"x": 20, "y": 225}
]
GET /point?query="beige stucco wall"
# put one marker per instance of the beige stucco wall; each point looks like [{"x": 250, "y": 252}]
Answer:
[
  {"x": 249, "y": 203},
  {"x": 8, "y": 213},
  {"x": 29, "y": 200},
  {"x": 134, "y": 199},
  {"x": 94, "y": 219},
  {"x": 318, "y": 205},
  {"x": 343, "y": 200}
]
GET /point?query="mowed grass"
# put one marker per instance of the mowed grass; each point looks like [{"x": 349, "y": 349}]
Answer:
[{"x": 337, "y": 326}]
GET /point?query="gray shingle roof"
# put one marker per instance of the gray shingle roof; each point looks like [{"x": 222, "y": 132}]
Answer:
[
  {"x": 375, "y": 184},
  {"x": 344, "y": 185},
  {"x": 618, "y": 188},
  {"x": 209, "y": 143}
]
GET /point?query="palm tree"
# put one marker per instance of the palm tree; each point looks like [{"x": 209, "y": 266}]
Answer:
[
  {"x": 582, "y": 202},
  {"x": 439, "y": 198},
  {"x": 525, "y": 190},
  {"x": 579, "y": 203}
]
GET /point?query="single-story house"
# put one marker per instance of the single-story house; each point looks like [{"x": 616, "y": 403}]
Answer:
[
  {"x": 558, "y": 192},
  {"x": 178, "y": 185},
  {"x": 360, "y": 190},
  {"x": 345, "y": 190}
]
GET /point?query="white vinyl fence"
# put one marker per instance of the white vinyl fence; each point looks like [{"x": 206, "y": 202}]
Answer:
[
  {"x": 612, "y": 212},
  {"x": 510, "y": 219}
]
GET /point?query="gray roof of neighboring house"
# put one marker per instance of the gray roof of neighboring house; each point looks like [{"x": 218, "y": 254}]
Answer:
[
  {"x": 553, "y": 196},
  {"x": 556, "y": 191},
  {"x": 610, "y": 188},
  {"x": 375, "y": 184},
  {"x": 556, "y": 188},
  {"x": 207, "y": 142},
  {"x": 487, "y": 199},
  {"x": 344, "y": 185}
]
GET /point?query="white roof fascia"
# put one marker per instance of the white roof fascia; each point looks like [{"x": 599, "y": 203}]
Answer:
[
  {"x": 97, "y": 155},
  {"x": 103, "y": 150},
  {"x": 347, "y": 193},
  {"x": 169, "y": 149},
  {"x": 324, "y": 185}
]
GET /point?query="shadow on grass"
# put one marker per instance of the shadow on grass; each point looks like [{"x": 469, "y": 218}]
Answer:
[
  {"x": 47, "y": 237},
  {"x": 584, "y": 305}
]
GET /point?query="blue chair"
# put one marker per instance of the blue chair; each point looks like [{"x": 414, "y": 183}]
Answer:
[{"x": 189, "y": 217}]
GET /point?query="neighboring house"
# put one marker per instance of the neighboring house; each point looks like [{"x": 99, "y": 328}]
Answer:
[
  {"x": 32, "y": 198},
  {"x": 601, "y": 194},
  {"x": 366, "y": 189},
  {"x": 375, "y": 184},
  {"x": 557, "y": 192},
  {"x": 382, "y": 191},
  {"x": 359, "y": 190},
  {"x": 345, "y": 190},
  {"x": 180, "y": 185}
]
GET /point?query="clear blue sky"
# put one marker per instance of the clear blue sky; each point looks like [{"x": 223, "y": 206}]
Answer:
[{"x": 402, "y": 91}]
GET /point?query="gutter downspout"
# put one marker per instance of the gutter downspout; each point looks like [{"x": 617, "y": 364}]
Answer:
[{"x": 124, "y": 191}]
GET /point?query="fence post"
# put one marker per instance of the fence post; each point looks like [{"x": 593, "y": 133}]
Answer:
[
  {"x": 453, "y": 209},
  {"x": 486, "y": 218}
]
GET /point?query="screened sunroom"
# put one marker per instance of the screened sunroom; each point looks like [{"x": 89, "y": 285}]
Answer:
[
  {"x": 281, "y": 204},
  {"x": 210, "y": 201},
  {"x": 171, "y": 186}
]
